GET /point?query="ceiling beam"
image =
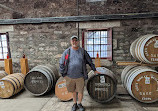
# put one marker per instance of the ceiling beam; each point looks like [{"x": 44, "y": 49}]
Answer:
[{"x": 79, "y": 18}]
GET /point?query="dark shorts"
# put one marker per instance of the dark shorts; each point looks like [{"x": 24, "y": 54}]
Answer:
[{"x": 75, "y": 85}]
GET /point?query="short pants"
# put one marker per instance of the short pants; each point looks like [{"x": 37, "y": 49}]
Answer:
[{"x": 75, "y": 85}]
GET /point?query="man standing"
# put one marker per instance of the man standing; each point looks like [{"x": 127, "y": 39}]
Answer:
[{"x": 73, "y": 69}]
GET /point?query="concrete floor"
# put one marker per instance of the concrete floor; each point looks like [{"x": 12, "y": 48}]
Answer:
[{"x": 24, "y": 101}]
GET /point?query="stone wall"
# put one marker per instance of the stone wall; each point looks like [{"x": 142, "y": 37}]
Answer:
[
  {"x": 57, "y": 8},
  {"x": 126, "y": 34},
  {"x": 44, "y": 43}
]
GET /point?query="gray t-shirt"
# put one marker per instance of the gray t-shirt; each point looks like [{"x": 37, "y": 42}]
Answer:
[{"x": 75, "y": 63}]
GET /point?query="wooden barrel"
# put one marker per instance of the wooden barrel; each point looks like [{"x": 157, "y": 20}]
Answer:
[
  {"x": 41, "y": 79},
  {"x": 141, "y": 82},
  {"x": 102, "y": 87},
  {"x": 11, "y": 85},
  {"x": 61, "y": 90},
  {"x": 125, "y": 73},
  {"x": 3, "y": 74},
  {"x": 145, "y": 49}
]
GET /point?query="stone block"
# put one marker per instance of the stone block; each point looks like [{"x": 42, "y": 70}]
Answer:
[
  {"x": 114, "y": 41},
  {"x": 21, "y": 39},
  {"x": 6, "y": 28},
  {"x": 118, "y": 36},
  {"x": 58, "y": 56},
  {"x": 98, "y": 25},
  {"x": 11, "y": 1},
  {"x": 23, "y": 32},
  {"x": 41, "y": 44},
  {"x": 119, "y": 51},
  {"x": 41, "y": 48},
  {"x": 14, "y": 39},
  {"x": 118, "y": 58},
  {"x": 95, "y": 0},
  {"x": 118, "y": 29},
  {"x": 58, "y": 32},
  {"x": 67, "y": 32},
  {"x": 63, "y": 44},
  {"x": 2, "y": 64}
]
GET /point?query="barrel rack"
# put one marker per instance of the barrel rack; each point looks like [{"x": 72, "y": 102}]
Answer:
[{"x": 124, "y": 63}]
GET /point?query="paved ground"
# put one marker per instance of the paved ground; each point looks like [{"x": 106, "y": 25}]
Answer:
[{"x": 24, "y": 101}]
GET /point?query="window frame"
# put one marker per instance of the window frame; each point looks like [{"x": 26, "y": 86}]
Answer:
[
  {"x": 109, "y": 34},
  {"x": 7, "y": 39}
]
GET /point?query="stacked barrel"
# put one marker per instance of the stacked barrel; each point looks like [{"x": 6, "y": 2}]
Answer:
[
  {"x": 140, "y": 81},
  {"x": 145, "y": 49},
  {"x": 102, "y": 87}
]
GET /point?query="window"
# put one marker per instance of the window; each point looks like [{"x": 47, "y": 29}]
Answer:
[
  {"x": 4, "y": 46},
  {"x": 98, "y": 41}
]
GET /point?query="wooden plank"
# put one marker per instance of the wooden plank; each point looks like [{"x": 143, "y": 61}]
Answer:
[
  {"x": 79, "y": 18},
  {"x": 24, "y": 65},
  {"x": 124, "y": 63},
  {"x": 8, "y": 66},
  {"x": 97, "y": 61}
]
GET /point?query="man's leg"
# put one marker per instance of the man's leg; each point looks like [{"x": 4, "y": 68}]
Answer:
[
  {"x": 70, "y": 84},
  {"x": 74, "y": 107},
  {"x": 80, "y": 96},
  {"x": 75, "y": 97},
  {"x": 79, "y": 89}
]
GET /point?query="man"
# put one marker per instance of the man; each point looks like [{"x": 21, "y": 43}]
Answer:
[{"x": 73, "y": 69}]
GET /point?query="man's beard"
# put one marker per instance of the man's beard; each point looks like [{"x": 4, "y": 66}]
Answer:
[{"x": 75, "y": 46}]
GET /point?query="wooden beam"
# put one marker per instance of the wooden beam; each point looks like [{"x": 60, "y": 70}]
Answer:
[
  {"x": 79, "y": 18},
  {"x": 125, "y": 63}
]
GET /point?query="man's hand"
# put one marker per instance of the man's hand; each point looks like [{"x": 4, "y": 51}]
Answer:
[{"x": 96, "y": 72}]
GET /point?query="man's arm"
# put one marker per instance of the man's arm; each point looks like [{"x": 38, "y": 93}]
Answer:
[
  {"x": 61, "y": 63},
  {"x": 89, "y": 61}
]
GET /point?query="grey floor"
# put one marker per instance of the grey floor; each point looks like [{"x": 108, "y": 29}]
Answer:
[{"x": 24, "y": 101}]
